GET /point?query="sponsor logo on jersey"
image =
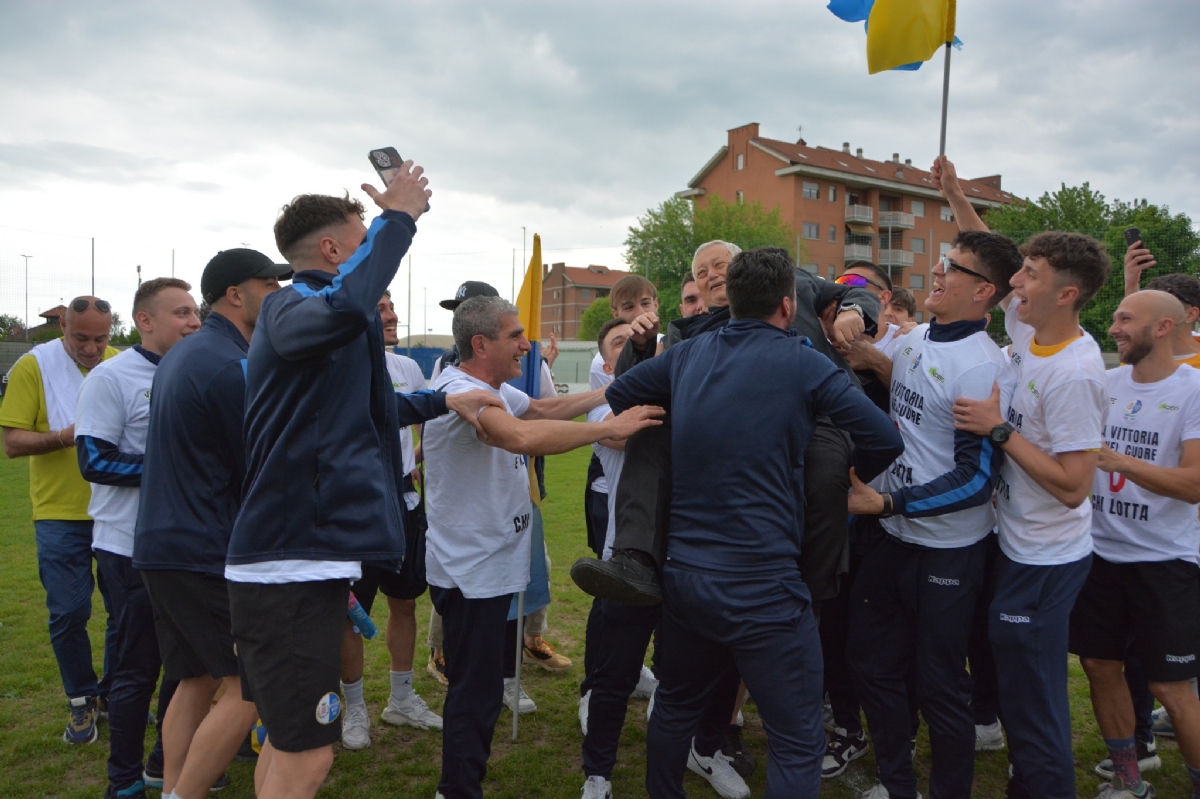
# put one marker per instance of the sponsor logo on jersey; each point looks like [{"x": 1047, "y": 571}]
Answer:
[
  {"x": 936, "y": 375},
  {"x": 1033, "y": 389},
  {"x": 1163, "y": 406},
  {"x": 916, "y": 364},
  {"x": 1132, "y": 410},
  {"x": 1011, "y": 619},
  {"x": 943, "y": 580}
]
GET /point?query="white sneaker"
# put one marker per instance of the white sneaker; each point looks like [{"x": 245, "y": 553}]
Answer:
[
  {"x": 719, "y": 773},
  {"x": 583, "y": 713},
  {"x": 412, "y": 712},
  {"x": 597, "y": 788},
  {"x": 877, "y": 791},
  {"x": 989, "y": 737},
  {"x": 520, "y": 703},
  {"x": 356, "y": 727},
  {"x": 646, "y": 685}
]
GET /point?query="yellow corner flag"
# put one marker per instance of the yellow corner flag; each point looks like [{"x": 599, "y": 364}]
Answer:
[
  {"x": 901, "y": 32},
  {"x": 529, "y": 311}
]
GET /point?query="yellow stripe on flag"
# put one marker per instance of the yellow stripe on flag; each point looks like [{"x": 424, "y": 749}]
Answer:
[
  {"x": 902, "y": 32},
  {"x": 529, "y": 311}
]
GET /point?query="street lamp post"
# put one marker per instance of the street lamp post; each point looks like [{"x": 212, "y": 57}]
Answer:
[{"x": 27, "y": 257}]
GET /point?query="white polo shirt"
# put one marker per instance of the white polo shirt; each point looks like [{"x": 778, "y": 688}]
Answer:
[
  {"x": 476, "y": 500},
  {"x": 406, "y": 379}
]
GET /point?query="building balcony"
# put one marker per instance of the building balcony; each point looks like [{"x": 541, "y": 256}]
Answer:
[
  {"x": 863, "y": 252},
  {"x": 860, "y": 213},
  {"x": 895, "y": 258},
  {"x": 896, "y": 219}
]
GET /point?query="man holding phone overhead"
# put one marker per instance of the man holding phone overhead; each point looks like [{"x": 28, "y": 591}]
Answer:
[{"x": 322, "y": 459}]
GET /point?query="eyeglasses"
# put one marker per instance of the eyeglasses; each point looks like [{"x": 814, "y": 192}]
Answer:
[
  {"x": 82, "y": 304},
  {"x": 858, "y": 282},
  {"x": 948, "y": 264}
]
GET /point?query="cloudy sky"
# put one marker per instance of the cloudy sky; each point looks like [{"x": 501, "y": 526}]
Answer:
[{"x": 185, "y": 126}]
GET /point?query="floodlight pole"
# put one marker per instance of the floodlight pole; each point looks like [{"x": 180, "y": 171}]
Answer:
[
  {"x": 27, "y": 257},
  {"x": 945, "y": 100},
  {"x": 516, "y": 708}
]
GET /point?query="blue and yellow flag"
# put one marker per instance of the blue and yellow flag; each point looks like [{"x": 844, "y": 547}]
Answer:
[
  {"x": 901, "y": 34},
  {"x": 529, "y": 311}
]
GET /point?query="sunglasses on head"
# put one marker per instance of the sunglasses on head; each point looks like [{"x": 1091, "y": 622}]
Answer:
[
  {"x": 82, "y": 304},
  {"x": 858, "y": 282},
  {"x": 948, "y": 264}
]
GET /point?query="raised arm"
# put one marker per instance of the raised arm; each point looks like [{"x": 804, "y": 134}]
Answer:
[
  {"x": 945, "y": 179},
  {"x": 565, "y": 406},
  {"x": 648, "y": 383},
  {"x": 551, "y": 437},
  {"x": 1137, "y": 260},
  {"x": 876, "y": 441}
]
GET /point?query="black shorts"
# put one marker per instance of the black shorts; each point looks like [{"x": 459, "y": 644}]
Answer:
[
  {"x": 191, "y": 617},
  {"x": 1150, "y": 610},
  {"x": 409, "y": 582},
  {"x": 289, "y": 643}
]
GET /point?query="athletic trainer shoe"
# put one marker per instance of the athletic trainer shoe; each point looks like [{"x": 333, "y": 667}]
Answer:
[
  {"x": 597, "y": 788},
  {"x": 152, "y": 775},
  {"x": 623, "y": 578},
  {"x": 1161, "y": 721},
  {"x": 356, "y": 727},
  {"x": 516, "y": 699},
  {"x": 647, "y": 684},
  {"x": 412, "y": 712},
  {"x": 877, "y": 791},
  {"x": 584, "y": 701},
  {"x": 246, "y": 753},
  {"x": 135, "y": 791},
  {"x": 719, "y": 773},
  {"x": 842, "y": 750},
  {"x": 436, "y": 668},
  {"x": 542, "y": 654},
  {"x": 734, "y": 749},
  {"x": 827, "y": 719},
  {"x": 1148, "y": 760},
  {"x": 81, "y": 728},
  {"x": 1117, "y": 789},
  {"x": 989, "y": 737}
]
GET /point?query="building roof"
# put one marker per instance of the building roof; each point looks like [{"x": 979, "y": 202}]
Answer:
[
  {"x": 799, "y": 158},
  {"x": 593, "y": 276},
  {"x": 57, "y": 312}
]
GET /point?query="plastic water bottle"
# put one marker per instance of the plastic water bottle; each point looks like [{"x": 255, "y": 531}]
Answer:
[{"x": 359, "y": 618}]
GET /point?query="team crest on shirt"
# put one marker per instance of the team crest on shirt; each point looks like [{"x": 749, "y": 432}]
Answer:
[
  {"x": 907, "y": 351},
  {"x": 912, "y": 367},
  {"x": 1132, "y": 410},
  {"x": 329, "y": 708}
]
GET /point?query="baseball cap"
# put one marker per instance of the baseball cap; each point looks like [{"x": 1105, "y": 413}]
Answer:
[
  {"x": 472, "y": 288},
  {"x": 233, "y": 267}
]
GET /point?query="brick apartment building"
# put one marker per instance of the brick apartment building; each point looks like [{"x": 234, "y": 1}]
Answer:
[
  {"x": 844, "y": 207},
  {"x": 567, "y": 291}
]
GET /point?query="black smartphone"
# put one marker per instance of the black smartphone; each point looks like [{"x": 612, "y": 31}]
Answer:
[
  {"x": 387, "y": 163},
  {"x": 1133, "y": 236}
]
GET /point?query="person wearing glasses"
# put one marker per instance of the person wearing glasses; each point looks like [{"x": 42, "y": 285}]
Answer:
[
  {"x": 915, "y": 596},
  {"x": 38, "y": 418}
]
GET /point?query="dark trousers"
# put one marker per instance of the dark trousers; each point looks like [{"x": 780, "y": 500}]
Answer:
[
  {"x": 763, "y": 625},
  {"x": 1028, "y": 627},
  {"x": 64, "y": 552},
  {"x": 595, "y": 508},
  {"x": 912, "y": 607},
  {"x": 834, "y": 630},
  {"x": 622, "y": 634},
  {"x": 476, "y": 649},
  {"x": 1143, "y": 700},
  {"x": 136, "y": 668},
  {"x": 985, "y": 691},
  {"x": 591, "y": 643}
]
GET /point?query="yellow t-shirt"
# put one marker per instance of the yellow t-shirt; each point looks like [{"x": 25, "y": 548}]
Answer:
[{"x": 56, "y": 488}]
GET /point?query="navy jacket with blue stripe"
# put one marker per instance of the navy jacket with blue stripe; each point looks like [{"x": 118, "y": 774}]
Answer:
[{"x": 322, "y": 418}]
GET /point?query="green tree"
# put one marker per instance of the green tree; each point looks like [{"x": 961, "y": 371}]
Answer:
[
  {"x": 11, "y": 327},
  {"x": 594, "y": 318},
  {"x": 661, "y": 244},
  {"x": 1080, "y": 209}
]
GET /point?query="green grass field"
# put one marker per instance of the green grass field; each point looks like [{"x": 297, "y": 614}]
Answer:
[{"x": 544, "y": 762}]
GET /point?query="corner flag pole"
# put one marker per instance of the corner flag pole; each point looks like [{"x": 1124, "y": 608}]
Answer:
[
  {"x": 516, "y": 710},
  {"x": 945, "y": 100}
]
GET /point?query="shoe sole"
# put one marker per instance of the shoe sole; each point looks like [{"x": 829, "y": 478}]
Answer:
[
  {"x": 437, "y": 677},
  {"x": 397, "y": 720},
  {"x": 859, "y": 754},
  {"x": 528, "y": 661},
  {"x": 1146, "y": 764},
  {"x": 355, "y": 747},
  {"x": 92, "y": 739},
  {"x": 598, "y": 583}
]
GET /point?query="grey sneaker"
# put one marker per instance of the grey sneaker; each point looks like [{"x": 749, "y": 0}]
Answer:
[
  {"x": 412, "y": 712},
  {"x": 989, "y": 737},
  {"x": 597, "y": 788},
  {"x": 516, "y": 699},
  {"x": 356, "y": 727}
]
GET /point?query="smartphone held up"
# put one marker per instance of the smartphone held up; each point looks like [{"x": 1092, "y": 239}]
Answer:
[{"x": 387, "y": 163}]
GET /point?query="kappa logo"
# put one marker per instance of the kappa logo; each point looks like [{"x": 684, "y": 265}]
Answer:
[
  {"x": 1011, "y": 619},
  {"x": 916, "y": 364},
  {"x": 329, "y": 708},
  {"x": 146, "y": 394},
  {"x": 936, "y": 375},
  {"x": 1163, "y": 406},
  {"x": 1181, "y": 658},
  {"x": 1132, "y": 410},
  {"x": 943, "y": 580}
]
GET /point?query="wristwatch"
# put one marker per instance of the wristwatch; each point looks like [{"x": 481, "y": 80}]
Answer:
[
  {"x": 888, "y": 506},
  {"x": 1000, "y": 433},
  {"x": 851, "y": 306}
]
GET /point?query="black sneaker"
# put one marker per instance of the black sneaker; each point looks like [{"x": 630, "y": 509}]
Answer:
[
  {"x": 734, "y": 749},
  {"x": 221, "y": 783},
  {"x": 1148, "y": 760},
  {"x": 246, "y": 753},
  {"x": 841, "y": 751},
  {"x": 623, "y": 578}
]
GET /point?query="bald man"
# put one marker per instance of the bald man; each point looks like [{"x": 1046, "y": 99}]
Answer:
[
  {"x": 38, "y": 419},
  {"x": 1145, "y": 569}
]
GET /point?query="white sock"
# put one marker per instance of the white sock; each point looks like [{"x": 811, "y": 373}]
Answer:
[
  {"x": 353, "y": 691},
  {"x": 401, "y": 684}
]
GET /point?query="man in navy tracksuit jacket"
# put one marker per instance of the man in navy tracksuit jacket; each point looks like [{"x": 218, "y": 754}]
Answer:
[
  {"x": 732, "y": 590},
  {"x": 323, "y": 459}
]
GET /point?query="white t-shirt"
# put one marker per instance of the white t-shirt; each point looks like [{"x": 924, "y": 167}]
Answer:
[
  {"x": 927, "y": 379},
  {"x": 476, "y": 500},
  {"x": 406, "y": 379},
  {"x": 1149, "y": 421},
  {"x": 887, "y": 344},
  {"x": 597, "y": 379},
  {"x": 114, "y": 405},
  {"x": 1059, "y": 405}
]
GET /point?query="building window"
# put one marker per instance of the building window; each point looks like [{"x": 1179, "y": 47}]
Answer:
[
  {"x": 947, "y": 214},
  {"x": 920, "y": 317},
  {"x": 585, "y": 293},
  {"x": 832, "y": 271},
  {"x": 918, "y": 244},
  {"x": 916, "y": 281},
  {"x": 811, "y": 230},
  {"x": 810, "y": 268},
  {"x": 945, "y": 247},
  {"x": 918, "y": 208},
  {"x": 832, "y": 194},
  {"x": 811, "y": 190},
  {"x": 885, "y": 204},
  {"x": 741, "y": 161},
  {"x": 556, "y": 294},
  {"x": 741, "y": 198},
  {"x": 833, "y": 232}
]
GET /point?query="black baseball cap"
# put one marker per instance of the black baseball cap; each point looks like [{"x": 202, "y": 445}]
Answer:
[
  {"x": 472, "y": 288},
  {"x": 234, "y": 267}
]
